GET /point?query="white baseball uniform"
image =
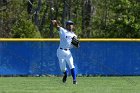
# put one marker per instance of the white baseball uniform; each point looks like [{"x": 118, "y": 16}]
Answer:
[{"x": 63, "y": 52}]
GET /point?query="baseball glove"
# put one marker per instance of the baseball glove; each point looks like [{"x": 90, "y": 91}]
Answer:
[{"x": 75, "y": 42}]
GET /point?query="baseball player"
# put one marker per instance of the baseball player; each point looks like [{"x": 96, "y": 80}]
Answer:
[{"x": 68, "y": 40}]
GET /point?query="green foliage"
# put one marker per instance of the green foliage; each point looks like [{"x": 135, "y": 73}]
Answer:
[
  {"x": 125, "y": 22},
  {"x": 25, "y": 29},
  {"x": 121, "y": 19},
  {"x": 8, "y": 13},
  {"x": 111, "y": 19}
]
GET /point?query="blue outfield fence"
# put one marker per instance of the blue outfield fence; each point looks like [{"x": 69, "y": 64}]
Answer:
[{"x": 93, "y": 57}]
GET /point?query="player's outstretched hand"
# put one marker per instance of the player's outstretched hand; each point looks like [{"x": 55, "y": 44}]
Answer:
[{"x": 55, "y": 23}]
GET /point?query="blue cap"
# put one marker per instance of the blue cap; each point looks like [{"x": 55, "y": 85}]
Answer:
[{"x": 69, "y": 22}]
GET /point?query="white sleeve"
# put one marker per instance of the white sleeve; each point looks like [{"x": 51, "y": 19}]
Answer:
[{"x": 62, "y": 31}]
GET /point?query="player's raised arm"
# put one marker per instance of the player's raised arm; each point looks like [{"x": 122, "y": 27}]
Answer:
[{"x": 56, "y": 24}]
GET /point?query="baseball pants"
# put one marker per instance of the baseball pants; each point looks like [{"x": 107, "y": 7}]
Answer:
[{"x": 65, "y": 57}]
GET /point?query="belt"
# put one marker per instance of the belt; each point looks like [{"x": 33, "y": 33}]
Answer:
[{"x": 64, "y": 49}]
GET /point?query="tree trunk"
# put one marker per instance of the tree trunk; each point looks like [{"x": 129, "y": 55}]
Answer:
[
  {"x": 43, "y": 20},
  {"x": 64, "y": 13},
  {"x": 56, "y": 9},
  {"x": 29, "y": 6},
  {"x": 69, "y": 10},
  {"x": 37, "y": 11},
  {"x": 87, "y": 12},
  {"x": 52, "y": 17}
]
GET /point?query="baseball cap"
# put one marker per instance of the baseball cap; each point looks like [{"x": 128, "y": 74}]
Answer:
[{"x": 69, "y": 22}]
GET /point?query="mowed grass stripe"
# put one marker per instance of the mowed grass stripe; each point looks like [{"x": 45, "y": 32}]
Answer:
[{"x": 55, "y": 85}]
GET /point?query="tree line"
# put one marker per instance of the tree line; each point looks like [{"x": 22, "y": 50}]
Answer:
[{"x": 92, "y": 18}]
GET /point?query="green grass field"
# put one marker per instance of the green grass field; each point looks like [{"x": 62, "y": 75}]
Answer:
[{"x": 85, "y": 85}]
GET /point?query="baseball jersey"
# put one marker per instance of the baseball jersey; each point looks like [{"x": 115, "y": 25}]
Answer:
[{"x": 66, "y": 38}]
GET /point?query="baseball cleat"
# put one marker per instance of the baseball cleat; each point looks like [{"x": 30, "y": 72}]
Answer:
[
  {"x": 64, "y": 79},
  {"x": 74, "y": 82}
]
